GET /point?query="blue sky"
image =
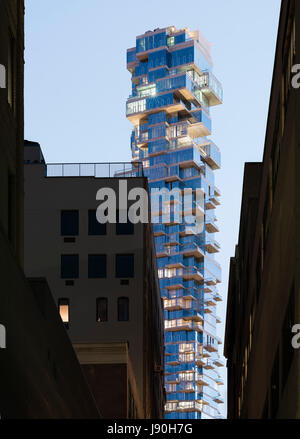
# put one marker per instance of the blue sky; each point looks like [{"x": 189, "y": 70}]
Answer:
[{"x": 76, "y": 83}]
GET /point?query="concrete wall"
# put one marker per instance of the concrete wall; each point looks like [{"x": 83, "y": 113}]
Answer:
[
  {"x": 45, "y": 197},
  {"x": 40, "y": 376}
]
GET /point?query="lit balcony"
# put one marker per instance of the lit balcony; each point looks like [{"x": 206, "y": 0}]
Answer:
[
  {"x": 174, "y": 304},
  {"x": 211, "y": 88},
  {"x": 178, "y": 325},
  {"x": 189, "y": 406},
  {"x": 198, "y": 326}
]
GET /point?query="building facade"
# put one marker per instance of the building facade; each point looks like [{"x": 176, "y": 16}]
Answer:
[
  {"x": 40, "y": 376},
  {"x": 12, "y": 124},
  {"x": 263, "y": 295},
  {"x": 173, "y": 89},
  {"x": 103, "y": 278}
]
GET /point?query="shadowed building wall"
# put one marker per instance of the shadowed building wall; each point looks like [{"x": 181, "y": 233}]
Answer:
[{"x": 263, "y": 294}]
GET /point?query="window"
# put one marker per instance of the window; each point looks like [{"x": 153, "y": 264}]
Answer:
[
  {"x": 123, "y": 309},
  {"x": 97, "y": 266},
  {"x": 69, "y": 266},
  {"x": 95, "y": 228},
  {"x": 64, "y": 310},
  {"x": 124, "y": 228},
  {"x": 124, "y": 266},
  {"x": 101, "y": 309},
  {"x": 69, "y": 222}
]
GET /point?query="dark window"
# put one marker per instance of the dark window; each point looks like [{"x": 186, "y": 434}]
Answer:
[
  {"x": 95, "y": 228},
  {"x": 124, "y": 266},
  {"x": 101, "y": 312},
  {"x": 97, "y": 266},
  {"x": 124, "y": 228},
  {"x": 123, "y": 309},
  {"x": 69, "y": 222},
  {"x": 69, "y": 266},
  {"x": 64, "y": 310}
]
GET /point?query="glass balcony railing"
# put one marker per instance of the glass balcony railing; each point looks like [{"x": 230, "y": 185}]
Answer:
[
  {"x": 213, "y": 155},
  {"x": 98, "y": 170},
  {"x": 209, "y": 85}
]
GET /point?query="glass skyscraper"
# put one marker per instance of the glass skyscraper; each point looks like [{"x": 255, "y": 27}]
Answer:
[{"x": 173, "y": 89}]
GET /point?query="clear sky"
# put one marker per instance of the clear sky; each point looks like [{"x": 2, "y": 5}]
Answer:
[{"x": 76, "y": 83}]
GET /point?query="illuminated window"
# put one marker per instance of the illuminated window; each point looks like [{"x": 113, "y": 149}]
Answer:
[
  {"x": 63, "y": 307},
  {"x": 101, "y": 309},
  {"x": 171, "y": 41},
  {"x": 149, "y": 90},
  {"x": 136, "y": 106}
]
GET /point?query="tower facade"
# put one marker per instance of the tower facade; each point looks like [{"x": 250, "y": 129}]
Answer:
[{"x": 173, "y": 89}]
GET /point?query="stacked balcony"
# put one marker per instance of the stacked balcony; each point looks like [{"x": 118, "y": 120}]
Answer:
[{"x": 169, "y": 107}]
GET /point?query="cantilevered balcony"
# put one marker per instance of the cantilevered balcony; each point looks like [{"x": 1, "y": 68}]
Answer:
[
  {"x": 211, "y": 88},
  {"x": 218, "y": 399},
  {"x": 178, "y": 325},
  {"x": 211, "y": 347},
  {"x": 184, "y": 406},
  {"x": 218, "y": 362},
  {"x": 200, "y": 379},
  {"x": 172, "y": 378},
  {"x": 193, "y": 273},
  {"x": 212, "y": 154},
  {"x": 217, "y": 297},
  {"x": 210, "y": 224},
  {"x": 138, "y": 108},
  {"x": 192, "y": 249},
  {"x": 174, "y": 304},
  {"x": 212, "y": 246}
]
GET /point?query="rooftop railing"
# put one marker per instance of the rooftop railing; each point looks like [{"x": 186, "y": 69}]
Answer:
[{"x": 97, "y": 170}]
